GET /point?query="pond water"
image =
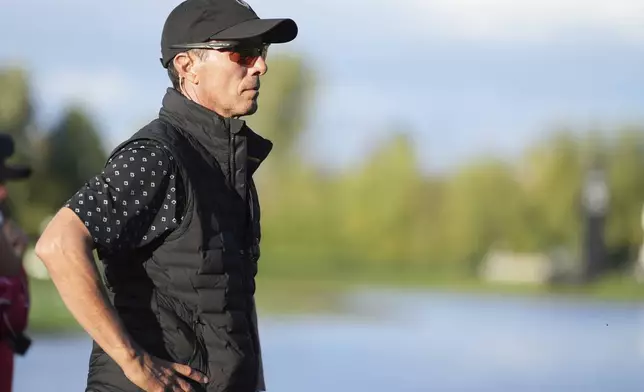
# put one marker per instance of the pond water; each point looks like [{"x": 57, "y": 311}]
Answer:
[{"x": 394, "y": 341}]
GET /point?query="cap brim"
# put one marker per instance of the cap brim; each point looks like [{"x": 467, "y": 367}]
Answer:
[
  {"x": 272, "y": 31},
  {"x": 14, "y": 172}
]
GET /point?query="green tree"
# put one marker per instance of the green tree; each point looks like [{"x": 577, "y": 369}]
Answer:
[
  {"x": 16, "y": 109},
  {"x": 74, "y": 153},
  {"x": 290, "y": 190},
  {"x": 483, "y": 209},
  {"x": 16, "y": 119},
  {"x": 625, "y": 164},
  {"x": 284, "y": 104},
  {"x": 380, "y": 204},
  {"x": 552, "y": 179}
]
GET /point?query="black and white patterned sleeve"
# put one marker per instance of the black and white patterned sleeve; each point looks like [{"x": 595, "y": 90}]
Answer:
[{"x": 136, "y": 198}]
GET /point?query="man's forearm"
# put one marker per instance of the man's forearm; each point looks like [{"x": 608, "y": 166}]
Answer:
[
  {"x": 70, "y": 263},
  {"x": 79, "y": 286}
]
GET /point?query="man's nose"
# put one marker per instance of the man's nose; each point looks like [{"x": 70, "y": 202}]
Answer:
[{"x": 260, "y": 66}]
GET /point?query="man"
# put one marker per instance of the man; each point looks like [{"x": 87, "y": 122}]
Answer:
[
  {"x": 14, "y": 289},
  {"x": 174, "y": 218}
]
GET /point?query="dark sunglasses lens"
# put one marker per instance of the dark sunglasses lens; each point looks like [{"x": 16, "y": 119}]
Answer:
[{"x": 248, "y": 56}]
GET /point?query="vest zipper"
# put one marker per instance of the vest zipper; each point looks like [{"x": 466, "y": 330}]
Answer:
[
  {"x": 242, "y": 252},
  {"x": 251, "y": 205},
  {"x": 231, "y": 161}
]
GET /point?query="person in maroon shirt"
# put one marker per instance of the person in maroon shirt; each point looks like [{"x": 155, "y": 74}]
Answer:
[{"x": 14, "y": 289}]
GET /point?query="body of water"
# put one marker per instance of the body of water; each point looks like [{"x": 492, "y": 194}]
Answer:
[{"x": 390, "y": 341}]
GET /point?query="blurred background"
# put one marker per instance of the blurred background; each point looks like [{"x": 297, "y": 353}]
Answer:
[{"x": 454, "y": 201}]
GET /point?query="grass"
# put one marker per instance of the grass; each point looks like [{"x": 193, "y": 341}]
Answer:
[
  {"x": 305, "y": 294},
  {"x": 49, "y": 314}
]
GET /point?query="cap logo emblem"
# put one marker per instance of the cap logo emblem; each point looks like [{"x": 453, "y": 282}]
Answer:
[{"x": 244, "y": 4}]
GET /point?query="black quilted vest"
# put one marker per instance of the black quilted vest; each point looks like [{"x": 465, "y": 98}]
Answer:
[{"x": 189, "y": 298}]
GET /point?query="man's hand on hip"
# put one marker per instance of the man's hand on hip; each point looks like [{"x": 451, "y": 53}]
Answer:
[{"x": 157, "y": 375}]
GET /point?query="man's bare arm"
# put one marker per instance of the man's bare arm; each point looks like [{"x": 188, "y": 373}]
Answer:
[{"x": 65, "y": 248}]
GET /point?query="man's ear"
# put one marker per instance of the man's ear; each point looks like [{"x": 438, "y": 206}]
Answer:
[{"x": 184, "y": 64}]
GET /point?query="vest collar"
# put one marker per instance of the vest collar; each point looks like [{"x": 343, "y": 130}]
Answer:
[{"x": 212, "y": 130}]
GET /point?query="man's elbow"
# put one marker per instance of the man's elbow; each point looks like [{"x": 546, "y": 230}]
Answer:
[
  {"x": 59, "y": 237},
  {"x": 48, "y": 246}
]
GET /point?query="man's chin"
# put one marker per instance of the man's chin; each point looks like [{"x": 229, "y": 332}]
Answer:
[{"x": 250, "y": 109}]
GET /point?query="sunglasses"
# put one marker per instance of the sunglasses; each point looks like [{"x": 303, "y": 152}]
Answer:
[{"x": 243, "y": 54}]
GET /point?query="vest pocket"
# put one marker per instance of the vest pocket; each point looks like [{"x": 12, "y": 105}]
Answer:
[
  {"x": 199, "y": 358},
  {"x": 181, "y": 339}
]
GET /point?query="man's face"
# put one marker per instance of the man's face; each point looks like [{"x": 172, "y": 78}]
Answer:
[{"x": 227, "y": 82}]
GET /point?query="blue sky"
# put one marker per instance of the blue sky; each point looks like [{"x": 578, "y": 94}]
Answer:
[{"x": 467, "y": 76}]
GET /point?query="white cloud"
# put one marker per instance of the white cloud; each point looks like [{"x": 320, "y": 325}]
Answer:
[
  {"x": 479, "y": 20},
  {"x": 540, "y": 20}
]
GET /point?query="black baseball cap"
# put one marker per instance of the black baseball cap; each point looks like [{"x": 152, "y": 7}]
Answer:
[
  {"x": 196, "y": 21},
  {"x": 10, "y": 172}
]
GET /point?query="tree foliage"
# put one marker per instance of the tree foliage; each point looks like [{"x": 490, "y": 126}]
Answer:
[
  {"x": 74, "y": 154},
  {"x": 62, "y": 158},
  {"x": 384, "y": 214}
]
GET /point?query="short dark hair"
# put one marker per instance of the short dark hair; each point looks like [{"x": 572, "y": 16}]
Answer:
[{"x": 172, "y": 71}]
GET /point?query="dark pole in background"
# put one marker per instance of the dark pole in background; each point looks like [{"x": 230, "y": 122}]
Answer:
[{"x": 595, "y": 201}]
